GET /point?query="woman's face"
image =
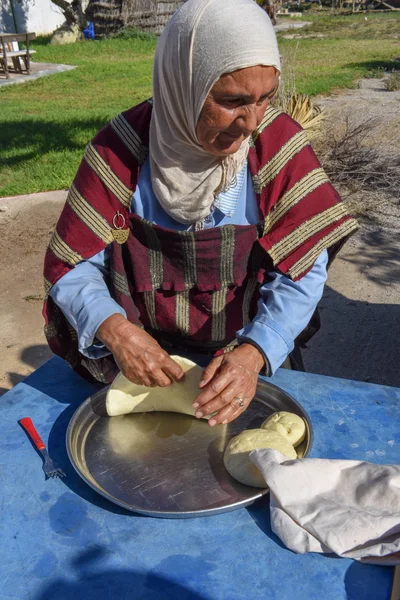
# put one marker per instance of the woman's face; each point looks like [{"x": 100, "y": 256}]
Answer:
[{"x": 234, "y": 108}]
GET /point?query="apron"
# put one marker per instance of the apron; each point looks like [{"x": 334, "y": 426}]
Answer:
[{"x": 191, "y": 290}]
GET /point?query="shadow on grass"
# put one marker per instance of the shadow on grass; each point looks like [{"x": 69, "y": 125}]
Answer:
[
  {"x": 376, "y": 65},
  {"x": 42, "y": 40},
  {"x": 27, "y": 138}
]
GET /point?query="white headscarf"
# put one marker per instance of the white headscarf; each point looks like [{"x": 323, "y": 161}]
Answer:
[{"x": 202, "y": 41}]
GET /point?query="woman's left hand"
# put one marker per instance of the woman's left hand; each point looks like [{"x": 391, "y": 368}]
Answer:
[{"x": 229, "y": 384}]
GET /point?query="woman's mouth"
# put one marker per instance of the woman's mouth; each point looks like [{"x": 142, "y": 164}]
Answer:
[{"x": 230, "y": 136}]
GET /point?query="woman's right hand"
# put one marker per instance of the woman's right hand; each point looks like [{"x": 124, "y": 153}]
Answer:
[{"x": 138, "y": 356}]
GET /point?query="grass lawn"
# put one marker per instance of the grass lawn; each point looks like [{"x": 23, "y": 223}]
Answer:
[{"x": 46, "y": 124}]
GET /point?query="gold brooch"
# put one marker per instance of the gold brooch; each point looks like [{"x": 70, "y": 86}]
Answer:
[{"x": 120, "y": 232}]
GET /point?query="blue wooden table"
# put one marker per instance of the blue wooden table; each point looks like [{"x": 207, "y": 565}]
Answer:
[{"x": 60, "y": 540}]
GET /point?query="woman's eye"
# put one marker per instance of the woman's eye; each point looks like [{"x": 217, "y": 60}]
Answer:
[
  {"x": 232, "y": 101},
  {"x": 236, "y": 102}
]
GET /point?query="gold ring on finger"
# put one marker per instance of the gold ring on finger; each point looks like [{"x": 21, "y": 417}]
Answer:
[{"x": 239, "y": 401}]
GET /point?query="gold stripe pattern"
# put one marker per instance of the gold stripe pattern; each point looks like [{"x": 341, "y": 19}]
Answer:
[
  {"x": 150, "y": 302},
  {"x": 89, "y": 215},
  {"x": 72, "y": 332},
  {"x": 120, "y": 282},
  {"x": 251, "y": 287},
  {"x": 189, "y": 258},
  {"x": 218, "y": 326},
  {"x": 344, "y": 229},
  {"x": 50, "y": 330},
  {"x": 290, "y": 242},
  {"x": 107, "y": 176},
  {"x": 156, "y": 271},
  {"x": 129, "y": 137},
  {"x": 182, "y": 312},
  {"x": 63, "y": 251},
  {"x": 269, "y": 116},
  {"x": 305, "y": 186},
  {"x": 271, "y": 169},
  {"x": 226, "y": 267},
  {"x": 91, "y": 365},
  {"x": 227, "y": 276},
  {"x": 47, "y": 285},
  {"x": 155, "y": 255}
]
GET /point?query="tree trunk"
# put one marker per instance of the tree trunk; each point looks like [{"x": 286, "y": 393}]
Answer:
[{"x": 74, "y": 12}]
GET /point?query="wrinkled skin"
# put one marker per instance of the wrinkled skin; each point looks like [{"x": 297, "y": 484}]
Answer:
[
  {"x": 234, "y": 108},
  {"x": 231, "y": 112},
  {"x": 137, "y": 354},
  {"x": 226, "y": 378}
]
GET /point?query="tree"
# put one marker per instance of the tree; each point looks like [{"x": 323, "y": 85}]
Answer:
[{"x": 74, "y": 12}]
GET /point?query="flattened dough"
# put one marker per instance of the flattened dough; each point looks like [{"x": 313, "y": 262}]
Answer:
[
  {"x": 236, "y": 456},
  {"x": 290, "y": 426},
  {"x": 124, "y": 397}
]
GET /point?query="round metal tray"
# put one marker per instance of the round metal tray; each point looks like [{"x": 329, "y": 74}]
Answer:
[{"x": 167, "y": 464}]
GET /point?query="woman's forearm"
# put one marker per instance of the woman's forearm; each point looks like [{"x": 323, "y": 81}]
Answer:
[
  {"x": 84, "y": 298},
  {"x": 284, "y": 310}
]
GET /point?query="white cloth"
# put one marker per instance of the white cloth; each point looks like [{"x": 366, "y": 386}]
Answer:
[
  {"x": 202, "y": 41},
  {"x": 347, "y": 507}
]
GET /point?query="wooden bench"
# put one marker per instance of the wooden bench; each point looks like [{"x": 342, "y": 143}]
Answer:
[{"x": 8, "y": 52}]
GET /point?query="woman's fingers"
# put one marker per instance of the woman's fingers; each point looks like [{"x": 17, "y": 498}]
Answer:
[
  {"x": 135, "y": 378},
  {"x": 228, "y": 413},
  {"x": 210, "y": 371},
  {"x": 159, "y": 378},
  {"x": 137, "y": 354},
  {"x": 154, "y": 373},
  {"x": 226, "y": 396},
  {"x": 231, "y": 385},
  {"x": 171, "y": 368},
  {"x": 222, "y": 380}
]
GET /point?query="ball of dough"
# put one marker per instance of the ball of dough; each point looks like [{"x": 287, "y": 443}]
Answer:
[
  {"x": 236, "y": 456},
  {"x": 288, "y": 425}
]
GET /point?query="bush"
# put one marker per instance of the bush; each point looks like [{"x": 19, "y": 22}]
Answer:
[
  {"x": 392, "y": 83},
  {"x": 132, "y": 33},
  {"x": 355, "y": 166}
]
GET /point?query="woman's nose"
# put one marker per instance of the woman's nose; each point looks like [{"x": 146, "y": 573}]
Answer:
[{"x": 249, "y": 119}]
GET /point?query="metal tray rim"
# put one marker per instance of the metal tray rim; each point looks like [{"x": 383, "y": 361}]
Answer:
[{"x": 176, "y": 514}]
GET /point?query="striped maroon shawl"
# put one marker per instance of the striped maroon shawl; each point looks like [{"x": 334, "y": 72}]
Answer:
[{"x": 300, "y": 212}]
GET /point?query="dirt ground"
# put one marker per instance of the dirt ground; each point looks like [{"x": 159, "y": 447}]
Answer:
[
  {"x": 26, "y": 224},
  {"x": 360, "y": 309}
]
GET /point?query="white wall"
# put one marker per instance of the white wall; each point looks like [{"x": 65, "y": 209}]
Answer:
[{"x": 39, "y": 16}]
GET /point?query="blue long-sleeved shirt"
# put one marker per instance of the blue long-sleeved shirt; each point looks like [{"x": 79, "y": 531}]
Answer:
[{"x": 284, "y": 309}]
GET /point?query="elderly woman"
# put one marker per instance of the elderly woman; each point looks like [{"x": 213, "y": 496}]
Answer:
[{"x": 198, "y": 222}]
